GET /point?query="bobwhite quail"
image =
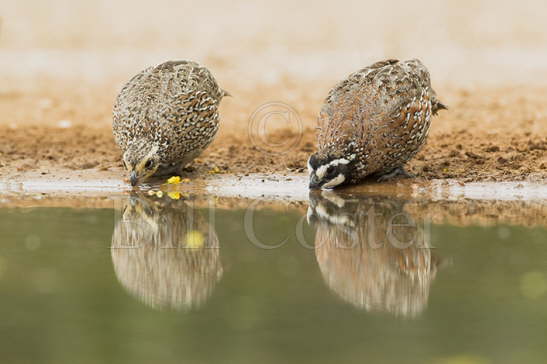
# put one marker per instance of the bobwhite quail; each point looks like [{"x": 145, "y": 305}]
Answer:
[
  {"x": 166, "y": 116},
  {"x": 372, "y": 123}
]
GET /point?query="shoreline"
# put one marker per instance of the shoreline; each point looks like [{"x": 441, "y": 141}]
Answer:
[{"x": 289, "y": 188}]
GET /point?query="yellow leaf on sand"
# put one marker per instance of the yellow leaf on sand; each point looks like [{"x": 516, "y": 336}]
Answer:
[{"x": 174, "y": 180}]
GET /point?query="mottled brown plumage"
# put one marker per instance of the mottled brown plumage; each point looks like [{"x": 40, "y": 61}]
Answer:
[
  {"x": 373, "y": 122},
  {"x": 165, "y": 116}
]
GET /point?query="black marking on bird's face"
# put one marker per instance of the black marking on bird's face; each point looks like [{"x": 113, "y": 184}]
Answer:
[{"x": 329, "y": 172}]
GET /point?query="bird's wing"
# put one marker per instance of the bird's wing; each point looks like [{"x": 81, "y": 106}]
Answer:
[
  {"x": 131, "y": 108},
  {"x": 187, "y": 94},
  {"x": 373, "y": 99}
]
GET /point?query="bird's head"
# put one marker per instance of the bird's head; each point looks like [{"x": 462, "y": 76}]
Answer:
[
  {"x": 329, "y": 171},
  {"x": 141, "y": 161}
]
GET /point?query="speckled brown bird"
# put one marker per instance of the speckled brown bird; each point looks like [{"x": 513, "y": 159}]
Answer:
[
  {"x": 166, "y": 116},
  {"x": 372, "y": 123}
]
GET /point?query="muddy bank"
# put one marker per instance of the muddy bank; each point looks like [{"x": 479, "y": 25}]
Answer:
[
  {"x": 463, "y": 155},
  {"x": 63, "y": 128},
  {"x": 57, "y": 92}
]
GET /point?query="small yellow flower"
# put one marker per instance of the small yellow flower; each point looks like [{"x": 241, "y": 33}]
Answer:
[
  {"x": 159, "y": 194},
  {"x": 194, "y": 239},
  {"x": 174, "y": 195},
  {"x": 174, "y": 180},
  {"x": 214, "y": 170}
]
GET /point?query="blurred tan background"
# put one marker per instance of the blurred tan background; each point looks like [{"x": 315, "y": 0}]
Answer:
[
  {"x": 462, "y": 41},
  {"x": 281, "y": 50}
]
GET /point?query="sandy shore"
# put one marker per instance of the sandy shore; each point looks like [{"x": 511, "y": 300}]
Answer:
[
  {"x": 64, "y": 63},
  {"x": 486, "y": 135},
  {"x": 447, "y": 207}
]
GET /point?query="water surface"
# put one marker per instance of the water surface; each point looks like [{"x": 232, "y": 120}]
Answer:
[{"x": 368, "y": 278}]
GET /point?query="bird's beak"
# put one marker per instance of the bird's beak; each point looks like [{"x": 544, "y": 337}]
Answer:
[
  {"x": 314, "y": 181},
  {"x": 133, "y": 178}
]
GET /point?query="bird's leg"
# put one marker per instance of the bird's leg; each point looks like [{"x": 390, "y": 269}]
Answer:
[
  {"x": 187, "y": 168},
  {"x": 396, "y": 172}
]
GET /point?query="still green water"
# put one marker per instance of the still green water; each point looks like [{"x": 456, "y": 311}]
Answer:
[{"x": 165, "y": 282}]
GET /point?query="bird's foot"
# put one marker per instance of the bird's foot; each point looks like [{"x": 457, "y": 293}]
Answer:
[
  {"x": 188, "y": 169},
  {"x": 396, "y": 172}
]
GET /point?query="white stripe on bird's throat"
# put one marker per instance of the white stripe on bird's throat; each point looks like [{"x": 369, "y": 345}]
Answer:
[{"x": 321, "y": 171}]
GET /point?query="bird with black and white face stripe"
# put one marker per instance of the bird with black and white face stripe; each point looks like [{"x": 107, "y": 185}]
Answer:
[
  {"x": 372, "y": 123},
  {"x": 329, "y": 172}
]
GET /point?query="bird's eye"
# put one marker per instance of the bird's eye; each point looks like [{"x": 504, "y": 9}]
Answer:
[{"x": 148, "y": 164}]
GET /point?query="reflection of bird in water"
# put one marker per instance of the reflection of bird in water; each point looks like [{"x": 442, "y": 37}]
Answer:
[
  {"x": 373, "y": 254},
  {"x": 166, "y": 253}
]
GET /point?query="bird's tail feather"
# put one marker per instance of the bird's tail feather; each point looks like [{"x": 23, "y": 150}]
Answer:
[{"x": 436, "y": 106}]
